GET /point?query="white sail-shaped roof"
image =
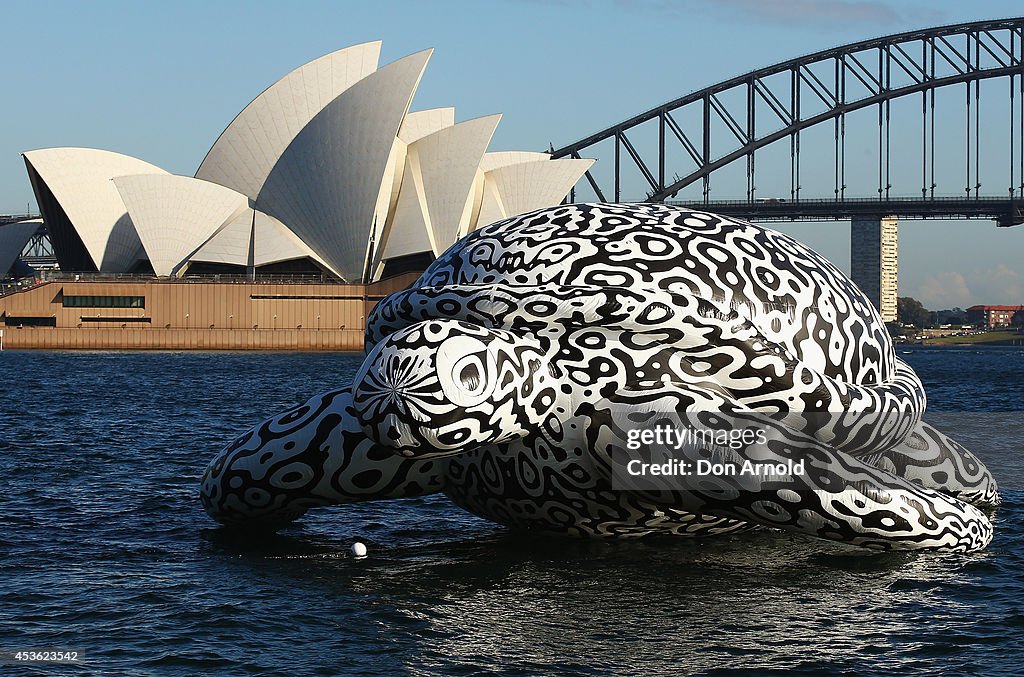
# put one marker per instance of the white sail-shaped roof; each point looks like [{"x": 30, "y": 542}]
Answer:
[
  {"x": 13, "y": 238},
  {"x": 247, "y": 150},
  {"x": 437, "y": 188},
  {"x": 232, "y": 244},
  {"x": 176, "y": 215},
  {"x": 328, "y": 163},
  {"x": 492, "y": 207},
  {"x": 489, "y": 162},
  {"x": 326, "y": 185},
  {"x": 415, "y": 126},
  {"x": 420, "y": 123},
  {"x": 524, "y": 186},
  {"x": 79, "y": 179},
  {"x": 504, "y": 158},
  {"x": 408, "y": 231},
  {"x": 275, "y": 242},
  {"x": 252, "y": 238}
]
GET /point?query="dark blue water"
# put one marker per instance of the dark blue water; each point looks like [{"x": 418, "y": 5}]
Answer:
[{"x": 105, "y": 550}]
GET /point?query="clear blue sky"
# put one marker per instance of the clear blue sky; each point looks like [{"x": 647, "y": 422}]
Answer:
[{"x": 160, "y": 80}]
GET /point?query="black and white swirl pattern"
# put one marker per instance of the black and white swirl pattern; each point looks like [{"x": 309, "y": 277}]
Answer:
[{"x": 508, "y": 375}]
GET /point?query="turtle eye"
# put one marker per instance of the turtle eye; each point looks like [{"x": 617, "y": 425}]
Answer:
[
  {"x": 465, "y": 369},
  {"x": 469, "y": 372}
]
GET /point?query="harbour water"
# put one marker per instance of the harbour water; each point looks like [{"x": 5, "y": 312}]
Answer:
[{"x": 105, "y": 550}]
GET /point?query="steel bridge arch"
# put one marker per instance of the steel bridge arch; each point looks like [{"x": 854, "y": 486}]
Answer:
[{"x": 990, "y": 49}]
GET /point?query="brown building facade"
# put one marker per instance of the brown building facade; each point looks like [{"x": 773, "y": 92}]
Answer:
[
  {"x": 183, "y": 315},
  {"x": 992, "y": 316}
]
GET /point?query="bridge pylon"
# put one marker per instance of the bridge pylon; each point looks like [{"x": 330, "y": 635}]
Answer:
[{"x": 874, "y": 261}]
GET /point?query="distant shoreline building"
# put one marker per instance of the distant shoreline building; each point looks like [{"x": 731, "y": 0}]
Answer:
[
  {"x": 992, "y": 317},
  {"x": 326, "y": 175},
  {"x": 874, "y": 261}
]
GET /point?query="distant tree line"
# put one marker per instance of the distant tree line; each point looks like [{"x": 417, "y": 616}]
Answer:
[
  {"x": 911, "y": 311},
  {"x": 911, "y": 315}
]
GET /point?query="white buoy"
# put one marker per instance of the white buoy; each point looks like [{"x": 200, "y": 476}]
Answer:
[{"x": 358, "y": 549}]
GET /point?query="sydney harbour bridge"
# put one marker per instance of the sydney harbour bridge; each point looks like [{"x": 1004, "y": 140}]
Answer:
[
  {"x": 922, "y": 124},
  {"x": 929, "y": 123}
]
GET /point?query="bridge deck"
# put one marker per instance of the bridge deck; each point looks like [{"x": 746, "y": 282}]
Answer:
[{"x": 1003, "y": 211}]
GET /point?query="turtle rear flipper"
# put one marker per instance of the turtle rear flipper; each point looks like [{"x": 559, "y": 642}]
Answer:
[
  {"x": 724, "y": 459},
  {"x": 931, "y": 459}
]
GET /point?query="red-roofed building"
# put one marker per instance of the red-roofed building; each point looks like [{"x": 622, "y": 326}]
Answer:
[{"x": 992, "y": 316}]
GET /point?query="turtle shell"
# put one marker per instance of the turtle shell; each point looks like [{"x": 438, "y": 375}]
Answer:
[{"x": 792, "y": 294}]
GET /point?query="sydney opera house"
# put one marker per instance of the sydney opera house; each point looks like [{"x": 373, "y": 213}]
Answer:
[{"x": 327, "y": 172}]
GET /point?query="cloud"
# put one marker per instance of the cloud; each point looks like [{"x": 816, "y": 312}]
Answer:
[
  {"x": 998, "y": 285},
  {"x": 943, "y": 290}
]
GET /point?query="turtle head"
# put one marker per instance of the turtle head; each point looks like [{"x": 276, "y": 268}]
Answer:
[{"x": 441, "y": 387}]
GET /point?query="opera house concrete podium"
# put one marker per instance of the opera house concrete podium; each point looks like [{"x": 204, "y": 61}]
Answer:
[{"x": 326, "y": 174}]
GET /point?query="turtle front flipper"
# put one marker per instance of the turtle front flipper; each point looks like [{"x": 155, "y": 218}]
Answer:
[
  {"x": 747, "y": 466},
  {"x": 312, "y": 455},
  {"x": 931, "y": 459}
]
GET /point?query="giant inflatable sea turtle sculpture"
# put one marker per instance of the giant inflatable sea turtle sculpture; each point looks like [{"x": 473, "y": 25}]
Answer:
[{"x": 517, "y": 376}]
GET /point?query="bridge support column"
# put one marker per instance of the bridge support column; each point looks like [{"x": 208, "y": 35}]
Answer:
[{"x": 874, "y": 261}]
